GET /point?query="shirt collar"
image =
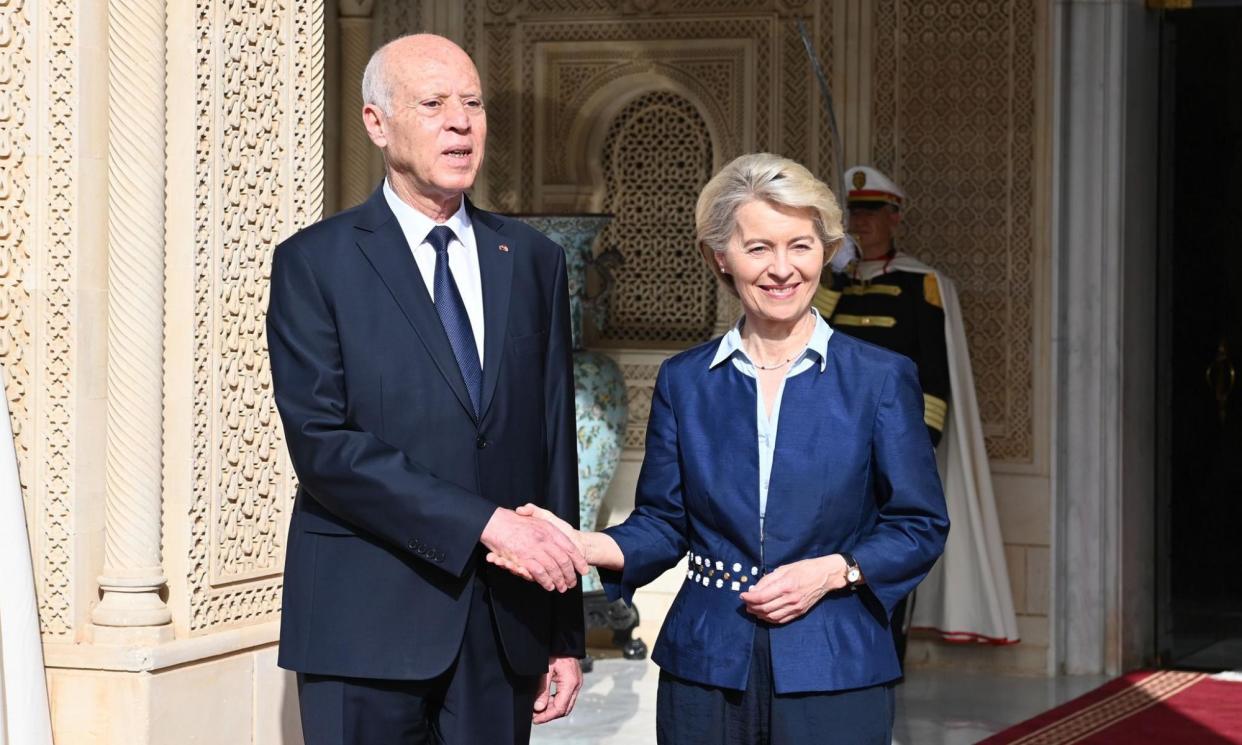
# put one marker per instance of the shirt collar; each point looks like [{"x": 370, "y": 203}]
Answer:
[
  {"x": 731, "y": 343},
  {"x": 415, "y": 225}
]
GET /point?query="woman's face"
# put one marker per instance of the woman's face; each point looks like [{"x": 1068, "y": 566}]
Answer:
[{"x": 775, "y": 259}]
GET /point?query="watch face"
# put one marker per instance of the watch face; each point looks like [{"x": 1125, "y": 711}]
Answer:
[{"x": 852, "y": 575}]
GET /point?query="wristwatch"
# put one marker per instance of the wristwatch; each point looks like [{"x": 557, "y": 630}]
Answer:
[{"x": 853, "y": 575}]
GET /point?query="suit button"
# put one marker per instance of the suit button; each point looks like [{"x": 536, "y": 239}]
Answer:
[
  {"x": 481, "y": 442},
  {"x": 411, "y": 545}
]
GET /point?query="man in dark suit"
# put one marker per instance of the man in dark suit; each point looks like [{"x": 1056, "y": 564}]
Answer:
[{"x": 420, "y": 354}]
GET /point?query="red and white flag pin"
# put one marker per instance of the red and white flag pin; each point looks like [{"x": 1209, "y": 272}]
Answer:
[{"x": 504, "y": 248}]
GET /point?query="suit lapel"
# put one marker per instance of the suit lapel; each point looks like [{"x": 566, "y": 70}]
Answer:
[
  {"x": 496, "y": 273},
  {"x": 384, "y": 245}
]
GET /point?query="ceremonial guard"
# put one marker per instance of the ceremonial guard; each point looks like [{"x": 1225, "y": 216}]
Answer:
[{"x": 895, "y": 301}]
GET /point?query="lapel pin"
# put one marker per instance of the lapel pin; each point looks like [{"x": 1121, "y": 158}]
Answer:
[{"x": 504, "y": 248}]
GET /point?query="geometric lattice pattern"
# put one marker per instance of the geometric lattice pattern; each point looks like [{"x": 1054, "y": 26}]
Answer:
[
  {"x": 953, "y": 121},
  {"x": 39, "y": 51},
  {"x": 657, "y": 156}
]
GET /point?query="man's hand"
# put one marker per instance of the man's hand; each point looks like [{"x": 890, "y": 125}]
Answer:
[
  {"x": 566, "y": 674},
  {"x": 551, "y": 518},
  {"x": 792, "y": 590},
  {"x": 533, "y": 549}
]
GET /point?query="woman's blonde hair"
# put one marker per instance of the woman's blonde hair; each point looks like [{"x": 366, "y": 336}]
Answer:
[{"x": 770, "y": 178}]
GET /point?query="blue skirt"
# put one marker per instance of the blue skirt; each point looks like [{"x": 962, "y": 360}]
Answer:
[{"x": 689, "y": 713}]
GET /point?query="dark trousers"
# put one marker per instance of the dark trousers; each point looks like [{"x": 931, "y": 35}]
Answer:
[
  {"x": 689, "y": 713},
  {"x": 477, "y": 700},
  {"x": 900, "y": 629}
]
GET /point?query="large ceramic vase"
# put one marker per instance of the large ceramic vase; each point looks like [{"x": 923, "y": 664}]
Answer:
[{"x": 599, "y": 388}]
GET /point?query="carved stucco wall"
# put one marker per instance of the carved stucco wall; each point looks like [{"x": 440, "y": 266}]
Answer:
[
  {"x": 955, "y": 122},
  {"x": 657, "y": 155},
  {"x": 258, "y": 177},
  {"x": 38, "y": 184}
]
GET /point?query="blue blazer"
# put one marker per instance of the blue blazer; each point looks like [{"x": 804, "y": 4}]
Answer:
[
  {"x": 853, "y": 471},
  {"x": 397, "y": 477}
]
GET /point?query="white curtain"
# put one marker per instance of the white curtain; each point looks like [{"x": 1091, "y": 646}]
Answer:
[{"x": 24, "y": 715}]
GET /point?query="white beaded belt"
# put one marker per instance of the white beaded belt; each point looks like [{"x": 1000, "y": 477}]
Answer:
[{"x": 709, "y": 573}]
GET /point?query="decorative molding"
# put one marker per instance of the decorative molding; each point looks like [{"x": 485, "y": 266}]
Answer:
[
  {"x": 510, "y": 155},
  {"x": 640, "y": 380},
  {"x": 16, "y": 226},
  {"x": 584, "y": 85},
  {"x": 133, "y": 574},
  {"x": 57, "y": 308},
  {"x": 953, "y": 107}
]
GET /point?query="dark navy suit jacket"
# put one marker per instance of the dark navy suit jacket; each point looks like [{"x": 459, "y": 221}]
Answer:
[
  {"x": 853, "y": 471},
  {"x": 396, "y": 477}
]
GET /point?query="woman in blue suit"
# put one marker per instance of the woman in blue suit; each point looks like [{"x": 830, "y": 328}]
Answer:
[{"x": 791, "y": 465}]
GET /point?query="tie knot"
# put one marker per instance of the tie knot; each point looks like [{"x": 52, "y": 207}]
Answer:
[{"x": 439, "y": 238}]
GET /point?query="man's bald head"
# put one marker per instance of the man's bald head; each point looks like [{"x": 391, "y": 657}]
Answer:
[{"x": 383, "y": 72}]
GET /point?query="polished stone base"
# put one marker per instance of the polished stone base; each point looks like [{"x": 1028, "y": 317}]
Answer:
[{"x": 934, "y": 707}]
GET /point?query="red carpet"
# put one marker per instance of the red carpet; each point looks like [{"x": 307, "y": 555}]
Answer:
[{"x": 1144, "y": 708}]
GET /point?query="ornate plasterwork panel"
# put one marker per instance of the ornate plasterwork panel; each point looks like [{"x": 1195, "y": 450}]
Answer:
[
  {"x": 17, "y": 230},
  {"x": 640, "y": 380},
  {"x": 954, "y": 107},
  {"x": 657, "y": 156},
  {"x": 579, "y": 85},
  {"x": 515, "y": 36},
  {"x": 56, "y": 312},
  {"x": 259, "y": 176},
  {"x": 396, "y": 18},
  {"x": 38, "y": 117}
]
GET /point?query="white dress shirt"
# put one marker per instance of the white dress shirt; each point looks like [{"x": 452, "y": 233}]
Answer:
[{"x": 463, "y": 256}]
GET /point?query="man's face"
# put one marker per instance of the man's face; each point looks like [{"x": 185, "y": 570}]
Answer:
[
  {"x": 434, "y": 134},
  {"x": 873, "y": 225}
]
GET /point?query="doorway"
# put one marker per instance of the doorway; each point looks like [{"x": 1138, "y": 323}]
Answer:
[{"x": 1199, "y": 520}]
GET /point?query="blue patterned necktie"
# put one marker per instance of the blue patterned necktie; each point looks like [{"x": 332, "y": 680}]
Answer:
[{"x": 453, "y": 316}]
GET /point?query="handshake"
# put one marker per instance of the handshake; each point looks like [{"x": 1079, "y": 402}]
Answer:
[{"x": 536, "y": 545}]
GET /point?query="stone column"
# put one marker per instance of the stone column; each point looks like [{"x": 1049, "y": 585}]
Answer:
[
  {"x": 357, "y": 152},
  {"x": 133, "y": 576},
  {"x": 1104, "y": 227}
]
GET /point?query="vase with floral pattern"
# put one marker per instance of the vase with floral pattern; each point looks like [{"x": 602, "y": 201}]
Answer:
[{"x": 600, "y": 405}]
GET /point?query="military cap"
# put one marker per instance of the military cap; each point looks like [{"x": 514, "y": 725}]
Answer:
[{"x": 868, "y": 186}]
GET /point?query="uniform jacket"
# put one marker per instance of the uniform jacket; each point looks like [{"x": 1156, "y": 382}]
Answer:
[
  {"x": 853, "y": 471},
  {"x": 397, "y": 477}
]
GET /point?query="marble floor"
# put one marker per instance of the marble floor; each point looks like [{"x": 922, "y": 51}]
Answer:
[{"x": 934, "y": 707}]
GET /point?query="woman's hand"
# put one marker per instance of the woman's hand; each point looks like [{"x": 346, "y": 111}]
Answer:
[
  {"x": 530, "y": 510},
  {"x": 791, "y": 590}
]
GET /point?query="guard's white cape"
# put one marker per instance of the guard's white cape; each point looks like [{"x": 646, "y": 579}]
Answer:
[
  {"x": 966, "y": 597},
  {"x": 24, "y": 715}
]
